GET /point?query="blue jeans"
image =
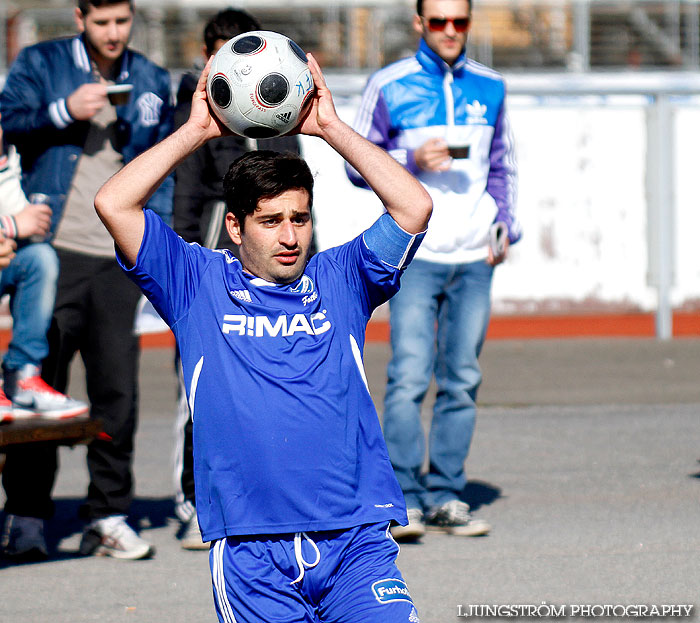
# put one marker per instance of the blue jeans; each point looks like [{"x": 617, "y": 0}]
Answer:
[
  {"x": 439, "y": 320},
  {"x": 30, "y": 279}
]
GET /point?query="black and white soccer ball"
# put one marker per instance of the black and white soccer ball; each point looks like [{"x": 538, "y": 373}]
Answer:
[{"x": 260, "y": 84}]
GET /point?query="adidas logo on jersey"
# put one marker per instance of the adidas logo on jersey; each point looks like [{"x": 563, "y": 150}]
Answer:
[
  {"x": 241, "y": 295},
  {"x": 283, "y": 326}
]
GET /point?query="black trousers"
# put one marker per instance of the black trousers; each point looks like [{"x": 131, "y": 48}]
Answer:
[{"x": 94, "y": 314}]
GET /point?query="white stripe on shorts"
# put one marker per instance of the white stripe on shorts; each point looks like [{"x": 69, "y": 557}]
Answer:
[{"x": 217, "y": 576}]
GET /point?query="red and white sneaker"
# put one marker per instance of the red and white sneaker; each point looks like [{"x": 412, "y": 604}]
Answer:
[
  {"x": 8, "y": 412},
  {"x": 5, "y": 408},
  {"x": 31, "y": 393}
]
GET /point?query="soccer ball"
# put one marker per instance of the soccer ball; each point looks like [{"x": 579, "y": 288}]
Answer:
[{"x": 260, "y": 84}]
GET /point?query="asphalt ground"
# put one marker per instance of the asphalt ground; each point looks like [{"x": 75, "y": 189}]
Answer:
[{"x": 585, "y": 461}]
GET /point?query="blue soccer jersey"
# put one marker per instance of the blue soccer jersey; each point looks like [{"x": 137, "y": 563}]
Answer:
[{"x": 286, "y": 437}]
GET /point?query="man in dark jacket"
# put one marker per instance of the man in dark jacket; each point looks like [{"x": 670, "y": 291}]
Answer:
[
  {"x": 58, "y": 108},
  {"x": 198, "y": 216}
]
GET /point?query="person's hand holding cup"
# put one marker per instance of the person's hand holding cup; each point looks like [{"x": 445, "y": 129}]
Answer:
[
  {"x": 36, "y": 218},
  {"x": 118, "y": 94}
]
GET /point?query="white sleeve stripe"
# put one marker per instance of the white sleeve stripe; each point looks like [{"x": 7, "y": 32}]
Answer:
[
  {"x": 375, "y": 85},
  {"x": 408, "y": 251},
  {"x": 483, "y": 70},
  {"x": 63, "y": 111},
  {"x": 56, "y": 116},
  {"x": 80, "y": 56}
]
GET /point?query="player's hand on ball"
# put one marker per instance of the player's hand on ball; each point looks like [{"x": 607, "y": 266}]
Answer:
[
  {"x": 200, "y": 113},
  {"x": 86, "y": 101},
  {"x": 321, "y": 114}
]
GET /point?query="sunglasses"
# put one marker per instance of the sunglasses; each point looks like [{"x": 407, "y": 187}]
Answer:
[{"x": 438, "y": 24}]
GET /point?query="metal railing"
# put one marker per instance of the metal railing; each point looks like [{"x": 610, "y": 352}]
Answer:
[{"x": 660, "y": 91}]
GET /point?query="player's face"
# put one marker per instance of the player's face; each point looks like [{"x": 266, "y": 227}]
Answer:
[
  {"x": 275, "y": 241},
  {"x": 443, "y": 35},
  {"x": 107, "y": 30}
]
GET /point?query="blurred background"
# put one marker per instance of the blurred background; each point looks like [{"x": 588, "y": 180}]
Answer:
[
  {"x": 604, "y": 99},
  {"x": 511, "y": 35}
]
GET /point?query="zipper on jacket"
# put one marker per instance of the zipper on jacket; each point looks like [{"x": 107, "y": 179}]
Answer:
[{"x": 449, "y": 97}]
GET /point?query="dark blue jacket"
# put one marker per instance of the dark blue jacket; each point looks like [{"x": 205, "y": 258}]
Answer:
[{"x": 50, "y": 141}]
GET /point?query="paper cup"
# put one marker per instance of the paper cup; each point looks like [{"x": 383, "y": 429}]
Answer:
[{"x": 118, "y": 94}]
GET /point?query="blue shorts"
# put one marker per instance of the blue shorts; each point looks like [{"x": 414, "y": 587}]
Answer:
[{"x": 336, "y": 576}]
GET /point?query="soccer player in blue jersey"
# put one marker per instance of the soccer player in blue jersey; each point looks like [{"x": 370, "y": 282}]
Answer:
[{"x": 293, "y": 481}]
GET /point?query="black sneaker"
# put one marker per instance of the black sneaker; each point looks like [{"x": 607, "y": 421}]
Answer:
[
  {"x": 23, "y": 539},
  {"x": 453, "y": 517}
]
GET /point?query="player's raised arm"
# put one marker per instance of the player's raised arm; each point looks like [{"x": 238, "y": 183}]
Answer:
[
  {"x": 402, "y": 194},
  {"x": 120, "y": 202}
]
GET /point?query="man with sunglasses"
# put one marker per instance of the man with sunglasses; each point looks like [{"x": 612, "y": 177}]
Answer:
[{"x": 442, "y": 116}]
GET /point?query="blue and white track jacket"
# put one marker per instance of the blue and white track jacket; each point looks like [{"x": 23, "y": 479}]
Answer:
[{"x": 422, "y": 97}]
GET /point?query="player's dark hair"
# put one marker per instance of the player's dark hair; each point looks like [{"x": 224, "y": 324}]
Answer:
[
  {"x": 264, "y": 174},
  {"x": 419, "y": 6},
  {"x": 226, "y": 25},
  {"x": 84, "y": 5}
]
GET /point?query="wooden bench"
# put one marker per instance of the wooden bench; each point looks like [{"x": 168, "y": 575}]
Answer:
[{"x": 68, "y": 432}]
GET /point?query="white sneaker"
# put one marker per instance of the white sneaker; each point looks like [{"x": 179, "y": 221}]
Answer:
[
  {"x": 192, "y": 536},
  {"x": 30, "y": 394},
  {"x": 413, "y": 530},
  {"x": 112, "y": 536},
  {"x": 453, "y": 517}
]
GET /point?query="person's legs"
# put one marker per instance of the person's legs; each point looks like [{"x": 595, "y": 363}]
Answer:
[
  {"x": 413, "y": 317},
  {"x": 109, "y": 350},
  {"x": 30, "y": 469},
  {"x": 462, "y": 325},
  {"x": 69, "y": 319},
  {"x": 31, "y": 280},
  {"x": 28, "y": 478}
]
